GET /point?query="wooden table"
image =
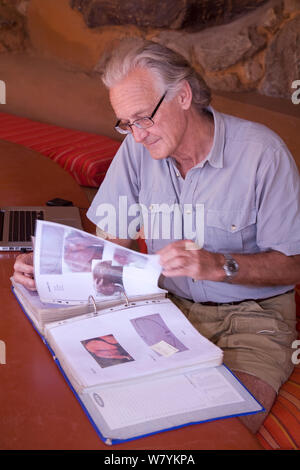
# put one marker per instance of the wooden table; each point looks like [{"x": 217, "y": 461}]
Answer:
[{"x": 37, "y": 408}]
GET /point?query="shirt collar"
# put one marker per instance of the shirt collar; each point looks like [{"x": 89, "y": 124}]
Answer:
[{"x": 215, "y": 156}]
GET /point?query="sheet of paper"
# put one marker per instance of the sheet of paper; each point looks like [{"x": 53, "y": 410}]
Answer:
[
  {"x": 70, "y": 265},
  {"x": 119, "y": 345},
  {"x": 34, "y": 298},
  {"x": 126, "y": 405}
]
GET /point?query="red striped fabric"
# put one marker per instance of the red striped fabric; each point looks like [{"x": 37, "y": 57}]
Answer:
[
  {"x": 281, "y": 428},
  {"x": 84, "y": 155}
]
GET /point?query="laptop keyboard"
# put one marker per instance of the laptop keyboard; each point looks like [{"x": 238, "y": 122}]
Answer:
[{"x": 22, "y": 225}]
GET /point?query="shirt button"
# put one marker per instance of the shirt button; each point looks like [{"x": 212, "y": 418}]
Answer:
[
  {"x": 177, "y": 174},
  {"x": 194, "y": 280},
  {"x": 233, "y": 227},
  {"x": 188, "y": 211}
]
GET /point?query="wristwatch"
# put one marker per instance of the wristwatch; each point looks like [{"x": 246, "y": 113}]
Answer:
[{"x": 230, "y": 267}]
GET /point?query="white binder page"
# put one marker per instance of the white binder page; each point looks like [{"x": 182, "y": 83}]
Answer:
[
  {"x": 126, "y": 405},
  {"x": 133, "y": 342},
  {"x": 70, "y": 265}
]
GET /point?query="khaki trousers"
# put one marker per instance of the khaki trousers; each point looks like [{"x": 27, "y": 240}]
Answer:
[{"x": 255, "y": 336}]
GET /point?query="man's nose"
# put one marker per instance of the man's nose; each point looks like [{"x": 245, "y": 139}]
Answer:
[{"x": 139, "y": 134}]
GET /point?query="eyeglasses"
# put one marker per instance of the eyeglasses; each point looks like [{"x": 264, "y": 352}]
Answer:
[{"x": 141, "y": 123}]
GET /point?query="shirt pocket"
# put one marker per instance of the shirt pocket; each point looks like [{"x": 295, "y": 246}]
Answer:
[
  {"x": 158, "y": 220},
  {"x": 230, "y": 231}
]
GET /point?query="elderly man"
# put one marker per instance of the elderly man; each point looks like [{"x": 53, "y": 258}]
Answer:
[{"x": 229, "y": 193}]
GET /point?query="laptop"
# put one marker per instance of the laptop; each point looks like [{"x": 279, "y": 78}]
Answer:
[{"x": 17, "y": 224}]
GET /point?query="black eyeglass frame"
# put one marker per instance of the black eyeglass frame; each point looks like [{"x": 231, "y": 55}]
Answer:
[{"x": 134, "y": 123}]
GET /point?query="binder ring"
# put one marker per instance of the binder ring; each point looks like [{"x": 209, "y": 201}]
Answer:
[
  {"x": 126, "y": 298},
  {"x": 92, "y": 301}
]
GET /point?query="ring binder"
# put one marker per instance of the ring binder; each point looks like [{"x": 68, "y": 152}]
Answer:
[
  {"x": 150, "y": 419},
  {"x": 126, "y": 298},
  {"x": 92, "y": 300}
]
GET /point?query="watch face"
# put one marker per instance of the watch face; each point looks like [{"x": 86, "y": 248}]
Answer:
[{"x": 232, "y": 266}]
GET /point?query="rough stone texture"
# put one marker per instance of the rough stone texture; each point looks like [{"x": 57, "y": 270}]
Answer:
[
  {"x": 234, "y": 57},
  {"x": 146, "y": 14},
  {"x": 226, "y": 82},
  {"x": 13, "y": 32},
  {"x": 176, "y": 40},
  {"x": 227, "y": 55},
  {"x": 172, "y": 14},
  {"x": 253, "y": 48},
  {"x": 201, "y": 14},
  {"x": 253, "y": 71},
  {"x": 220, "y": 49},
  {"x": 283, "y": 61},
  {"x": 272, "y": 18},
  {"x": 291, "y": 5}
]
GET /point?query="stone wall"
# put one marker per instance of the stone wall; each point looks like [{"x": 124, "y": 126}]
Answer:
[
  {"x": 190, "y": 15},
  {"x": 13, "y": 25},
  {"x": 238, "y": 46}
]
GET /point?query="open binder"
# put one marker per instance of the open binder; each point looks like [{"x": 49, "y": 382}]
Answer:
[{"x": 137, "y": 366}]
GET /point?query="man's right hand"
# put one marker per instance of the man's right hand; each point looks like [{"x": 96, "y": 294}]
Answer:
[{"x": 23, "y": 271}]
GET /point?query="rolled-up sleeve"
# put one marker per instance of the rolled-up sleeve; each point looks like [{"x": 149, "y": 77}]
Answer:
[
  {"x": 278, "y": 202},
  {"x": 115, "y": 208}
]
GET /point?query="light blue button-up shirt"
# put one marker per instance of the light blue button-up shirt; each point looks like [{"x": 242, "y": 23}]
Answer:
[{"x": 243, "y": 198}]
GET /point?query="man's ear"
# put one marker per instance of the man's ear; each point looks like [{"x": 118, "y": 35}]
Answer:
[{"x": 185, "y": 95}]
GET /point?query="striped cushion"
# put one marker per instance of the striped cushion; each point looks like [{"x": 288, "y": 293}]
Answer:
[
  {"x": 84, "y": 155},
  {"x": 281, "y": 428}
]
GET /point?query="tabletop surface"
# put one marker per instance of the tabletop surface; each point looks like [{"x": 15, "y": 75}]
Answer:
[{"x": 38, "y": 409}]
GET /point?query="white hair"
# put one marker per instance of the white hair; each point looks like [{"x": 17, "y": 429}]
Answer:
[{"x": 169, "y": 67}]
